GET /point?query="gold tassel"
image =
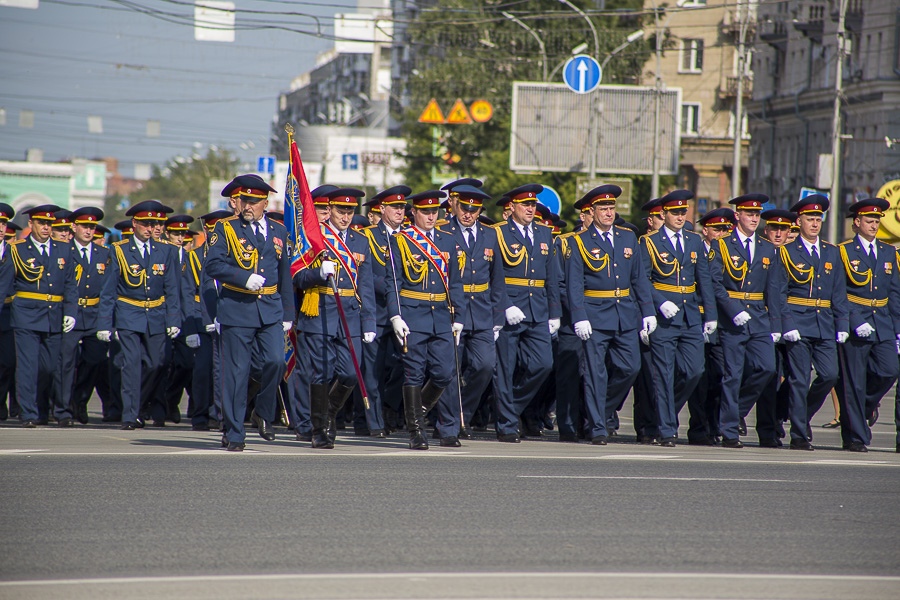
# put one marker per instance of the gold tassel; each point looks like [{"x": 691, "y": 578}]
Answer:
[{"x": 310, "y": 306}]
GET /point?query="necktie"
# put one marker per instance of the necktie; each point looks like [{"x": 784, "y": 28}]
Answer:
[
  {"x": 145, "y": 250},
  {"x": 528, "y": 235},
  {"x": 260, "y": 240},
  {"x": 469, "y": 237},
  {"x": 747, "y": 246},
  {"x": 607, "y": 239},
  {"x": 431, "y": 235},
  {"x": 815, "y": 256},
  {"x": 84, "y": 255},
  {"x": 43, "y": 251},
  {"x": 872, "y": 253},
  {"x": 678, "y": 246}
]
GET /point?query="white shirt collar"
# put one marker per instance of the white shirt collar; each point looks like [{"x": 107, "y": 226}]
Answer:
[
  {"x": 79, "y": 248},
  {"x": 743, "y": 238},
  {"x": 810, "y": 245},
  {"x": 263, "y": 226},
  {"x": 865, "y": 244},
  {"x": 38, "y": 244},
  {"x": 671, "y": 233}
]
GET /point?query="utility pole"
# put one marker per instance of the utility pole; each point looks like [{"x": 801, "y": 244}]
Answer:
[
  {"x": 834, "y": 217},
  {"x": 654, "y": 184},
  {"x": 743, "y": 23}
]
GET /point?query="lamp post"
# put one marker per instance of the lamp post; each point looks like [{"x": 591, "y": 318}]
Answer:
[
  {"x": 590, "y": 24},
  {"x": 536, "y": 37},
  {"x": 654, "y": 182},
  {"x": 835, "y": 216}
]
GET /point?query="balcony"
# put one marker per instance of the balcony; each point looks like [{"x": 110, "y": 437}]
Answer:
[
  {"x": 773, "y": 33},
  {"x": 813, "y": 30},
  {"x": 730, "y": 89},
  {"x": 853, "y": 20},
  {"x": 731, "y": 24}
]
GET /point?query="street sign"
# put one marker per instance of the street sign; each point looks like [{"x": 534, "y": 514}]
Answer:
[
  {"x": 805, "y": 191},
  {"x": 432, "y": 114},
  {"x": 623, "y": 203},
  {"x": 582, "y": 74},
  {"x": 550, "y": 198},
  {"x": 459, "y": 115},
  {"x": 350, "y": 162},
  {"x": 481, "y": 110},
  {"x": 265, "y": 164}
]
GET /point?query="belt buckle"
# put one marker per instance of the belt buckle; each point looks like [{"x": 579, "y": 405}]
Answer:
[
  {"x": 683, "y": 289},
  {"x": 531, "y": 283},
  {"x": 82, "y": 302},
  {"x": 431, "y": 297},
  {"x": 874, "y": 302},
  {"x": 618, "y": 293},
  {"x": 818, "y": 302},
  {"x": 746, "y": 295},
  {"x": 49, "y": 297}
]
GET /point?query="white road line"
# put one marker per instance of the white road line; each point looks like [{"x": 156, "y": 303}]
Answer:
[
  {"x": 446, "y": 575},
  {"x": 21, "y": 450},
  {"x": 658, "y": 478}
]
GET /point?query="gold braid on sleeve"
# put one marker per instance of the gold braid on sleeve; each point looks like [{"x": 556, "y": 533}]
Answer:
[{"x": 864, "y": 277}]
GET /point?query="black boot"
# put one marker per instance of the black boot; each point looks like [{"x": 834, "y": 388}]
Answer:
[
  {"x": 430, "y": 396},
  {"x": 336, "y": 399},
  {"x": 319, "y": 416},
  {"x": 415, "y": 417}
]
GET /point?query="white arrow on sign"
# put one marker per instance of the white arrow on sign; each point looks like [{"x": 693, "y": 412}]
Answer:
[{"x": 582, "y": 69}]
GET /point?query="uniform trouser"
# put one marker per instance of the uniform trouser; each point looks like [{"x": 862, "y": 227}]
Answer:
[
  {"x": 868, "y": 370},
  {"x": 645, "y": 418},
  {"x": 677, "y": 354},
  {"x": 37, "y": 372},
  {"x": 153, "y": 385},
  {"x": 266, "y": 344},
  {"x": 805, "y": 400},
  {"x": 330, "y": 359},
  {"x": 705, "y": 401},
  {"x": 609, "y": 366},
  {"x": 751, "y": 366},
  {"x": 524, "y": 360},
  {"x": 477, "y": 355},
  {"x": 178, "y": 377},
  {"x": 202, "y": 381},
  {"x": 298, "y": 396},
  {"x": 544, "y": 401},
  {"x": 81, "y": 359},
  {"x": 569, "y": 388},
  {"x": 8, "y": 373},
  {"x": 768, "y": 411},
  {"x": 114, "y": 409},
  {"x": 140, "y": 359},
  {"x": 383, "y": 375},
  {"x": 215, "y": 409},
  {"x": 430, "y": 357}
]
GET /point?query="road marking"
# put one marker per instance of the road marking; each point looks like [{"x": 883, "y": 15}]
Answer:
[
  {"x": 446, "y": 575},
  {"x": 658, "y": 478},
  {"x": 21, "y": 451}
]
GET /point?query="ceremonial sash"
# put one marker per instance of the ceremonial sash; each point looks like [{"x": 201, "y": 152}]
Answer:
[
  {"x": 345, "y": 257},
  {"x": 431, "y": 252}
]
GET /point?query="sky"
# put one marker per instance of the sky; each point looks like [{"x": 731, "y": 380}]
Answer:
[{"x": 130, "y": 61}]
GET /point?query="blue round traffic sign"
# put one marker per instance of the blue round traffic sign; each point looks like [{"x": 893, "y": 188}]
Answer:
[
  {"x": 582, "y": 74},
  {"x": 549, "y": 198}
]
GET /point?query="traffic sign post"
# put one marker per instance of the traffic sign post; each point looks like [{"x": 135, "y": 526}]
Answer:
[
  {"x": 459, "y": 115},
  {"x": 481, "y": 111},
  {"x": 265, "y": 164},
  {"x": 350, "y": 162},
  {"x": 432, "y": 114},
  {"x": 550, "y": 198},
  {"x": 582, "y": 74}
]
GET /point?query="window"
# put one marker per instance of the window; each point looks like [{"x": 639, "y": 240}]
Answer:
[
  {"x": 691, "y": 56},
  {"x": 690, "y": 119}
]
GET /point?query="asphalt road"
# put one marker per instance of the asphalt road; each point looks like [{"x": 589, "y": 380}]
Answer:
[{"x": 94, "y": 512}]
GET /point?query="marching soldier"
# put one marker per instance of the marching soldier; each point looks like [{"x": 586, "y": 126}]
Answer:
[
  {"x": 609, "y": 297},
  {"x": 679, "y": 273},
  {"x": 868, "y": 360},
  {"x": 7, "y": 339},
  {"x": 348, "y": 260},
  {"x": 484, "y": 289},
  {"x": 82, "y": 353},
  {"x": 125, "y": 228},
  {"x": 750, "y": 287},
  {"x": 62, "y": 226},
  {"x": 422, "y": 317},
  {"x": 815, "y": 319},
  {"x": 533, "y": 312},
  {"x": 43, "y": 309},
  {"x": 140, "y": 302},
  {"x": 250, "y": 258}
]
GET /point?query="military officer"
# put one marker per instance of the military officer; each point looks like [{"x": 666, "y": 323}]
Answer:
[
  {"x": 125, "y": 228},
  {"x": 43, "y": 309},
  {"x": 484, "y": 289},
  {"x": 62, "y": 226},
  {"x": 7, "y": 270},
  {"x": 382, "y": 367},
  {"x": 82, "y": 353},
  {"x": 868, "y": 359},
  {"x": 249, "y": 257},
  {"x": 750, "y": 288},
  {"x": 679, "y": 272},
  {"x": 348, "y": 261},
  {"x": 7, "y": 339},
  {"x": 531, "y": 274},
  {"x": 609, "y": 297},
  {"x": 815, "y": 319},
  {"x": 422, "y": 317}
]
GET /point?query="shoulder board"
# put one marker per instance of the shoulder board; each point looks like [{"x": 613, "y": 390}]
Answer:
[
  {"x": 231, "y": 218},
  {"x": 369, "y": 227},
  {"x": 16, "y": 242},
  {"x": 543, "y": 225},
  {"x": 496, "y": 225},
  {"x": 654, "y": 232},
  {"x": 850, "y": 241},
  {"x": 121, "y": 242},
  {"x": 568, "y": 234},
  {"x": 444, "y": 231},
  {"x": 824, "y": 243},
  {"x": 441, "y": 222},
  {"x": 622, "y": 227}
]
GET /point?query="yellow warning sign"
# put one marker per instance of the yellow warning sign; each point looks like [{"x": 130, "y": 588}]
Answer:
[
  {"x": 481, "y": 110},
  {"x": 432, "y": 114},
  {"x": 459, "y": 114}
]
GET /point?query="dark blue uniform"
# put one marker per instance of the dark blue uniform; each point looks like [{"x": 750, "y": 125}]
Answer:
[
  {"x": 606, "y": 285},
  {"x": 45, "y": 292},
  {"x": 569, "y": 388},
  {"x": 676, "y": 347},
  {"x": 250, "y": 321}
]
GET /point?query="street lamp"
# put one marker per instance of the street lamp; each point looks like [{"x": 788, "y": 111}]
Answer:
[
  {"x": 632, "y": 37},
  {"x": 589, "y": 22},
  {"x": 654, "y": 182},
  {"x": 536, "y": 37}
]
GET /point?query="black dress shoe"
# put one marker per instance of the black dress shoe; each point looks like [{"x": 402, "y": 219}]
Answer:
[
  {"x": 568, "y": 437},
  {"x": 157, "y": 423},
  {"x": 647, "y": 440},
  {"x": 379, "y": 434},
  {"x": 200, "y": 427},
  {"x": 465, "y": 433},
  {"x": 704, "y": 441},
  {"x": 509, "y": 438},
  {"x": 418, "y": 441},
  {"x": 264, "y": 428},
  {"x": 139, "y": 423},
  {"x": 29, "y": 424},
  {"x": 81, "y": 415},
  {"x": 450, "y": 442},
  {"x": 112, "y": 419},
  {"x": 873, "y": 418},
  {"x": 304, "y": 436},
  {"x": 532, "y": 432},
  {"x": 742, "y": 427},
  {"x": 598, "y": 440},
  {"x": 127, "y": 427},
  {"x": 729, "y": 443},
  {"x": 235, "y": 447},
  {"x": 362, "y": 431},
  {"x": 66, "y": 422},
  {"x": 856, "y": 447},
  {"x": 224, "y": 442},
  {"x": 801, "y": 445},
  {"x": 174, "y": 416},
  {"x": 215, "y": 425},
  {"x": 42, "y": 422},
  {"x": 668, "y": 442},
  {"x": 769, "y": 443}
]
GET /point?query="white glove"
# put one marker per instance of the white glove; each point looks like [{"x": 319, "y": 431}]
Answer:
[
  {"x": 369, "y": 337},
  {"x": 212, "y": 327},
  {"x": 710, "y": 327},
  {"x": 401, "y": 329},
  {"x": 514, "y": 315},
  {"x": 68, "y": 324},
  {"x": 668, "y": 309},
  {"x": 898, "y": 346},
  {"x": 649, "y": 325},
  {"x": 217, "y": 326},
  {"x": 791, "y": 336},
  {"x": 457, "y": 331},
  {"x": 705, "y": 338},
  {"x": 645, "y": 337},
  {"x": 116, "y": 335},
  {"x": 326, "y": 269},
  {"x": 173, "y": 332},
  {"x": 192, "y": 341},
  {"x": 104, "y": 336},
  {"x": 498, "y": 328},
  {"x": 842, "y": 336},
  {"x": 776, "y": 337},
  {"x": 865, "y": 330},
  {"x": 583, "y": 330},
  {"x": 741, "y": 319},
  {"x": 254, "y": 282},
  {"x": 554, "y": 325},
  {"x": 286, "y": 325}
]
